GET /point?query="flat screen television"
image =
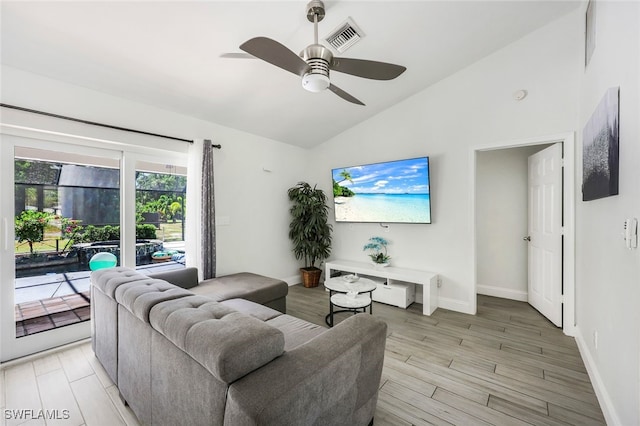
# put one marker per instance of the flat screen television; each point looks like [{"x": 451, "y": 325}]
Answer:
[{"x": 388, "y": 192}]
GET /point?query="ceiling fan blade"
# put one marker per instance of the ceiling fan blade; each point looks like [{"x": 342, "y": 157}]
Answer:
[
  {"x": 344, "y": 95},
  {"x": 276, "y": 54},
  {"x": 367, "y": 69},
  {"x": 237, "y": 55}
]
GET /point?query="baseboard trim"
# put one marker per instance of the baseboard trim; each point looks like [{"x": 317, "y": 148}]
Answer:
[
  {"x": 42, "y": 354},
  {"x": 604, "y": 399},
  {"x": 454, "y": 305},
  {"x": 293, "y": 280},
  {"x": 504, "y": 293}
]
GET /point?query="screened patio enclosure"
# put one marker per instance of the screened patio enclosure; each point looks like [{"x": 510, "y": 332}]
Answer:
[{"x": 66, "y": 211}]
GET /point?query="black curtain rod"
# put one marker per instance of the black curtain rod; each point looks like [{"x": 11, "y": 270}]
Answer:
[{"x": 93, "y": 123}]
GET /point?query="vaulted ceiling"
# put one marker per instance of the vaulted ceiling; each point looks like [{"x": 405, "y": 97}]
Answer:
[{"x": 168, "y": 54}]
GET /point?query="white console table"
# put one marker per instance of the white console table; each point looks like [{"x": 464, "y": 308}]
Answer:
[{"x": 428, "y": 280}]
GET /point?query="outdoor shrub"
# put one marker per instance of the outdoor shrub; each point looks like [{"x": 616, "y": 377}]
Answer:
[
  {"x": 110, "y": 233},
  {"x": 145, "y": 232},
  {"x": 29, "y": 227},
  {"x": 70, "y": 230},
  {"x": 90, "y": 234},
  {"x": 168, "y": 206}
]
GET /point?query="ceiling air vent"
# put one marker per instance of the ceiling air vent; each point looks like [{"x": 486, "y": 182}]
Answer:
[{"x": 345, "y": 36}]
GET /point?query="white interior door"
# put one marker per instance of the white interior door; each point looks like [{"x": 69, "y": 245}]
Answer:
[{"x": 545, "y": 233}]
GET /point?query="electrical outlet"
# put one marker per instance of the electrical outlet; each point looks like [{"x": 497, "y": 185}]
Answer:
[
  {"x": 595, "y": 339},
  {"x": 439, "y": 282}
]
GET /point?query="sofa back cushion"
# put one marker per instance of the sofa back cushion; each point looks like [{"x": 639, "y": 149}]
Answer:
[
  {"x": 108, "y": 280},
  {"x": 227, "y": 343},
  {"x": 139, "y": 295}
]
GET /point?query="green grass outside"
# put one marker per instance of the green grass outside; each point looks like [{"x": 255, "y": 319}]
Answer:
[{"x": 172, "y": 232}]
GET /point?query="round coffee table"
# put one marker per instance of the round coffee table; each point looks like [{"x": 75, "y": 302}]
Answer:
[{"x": 349, "y": 296}]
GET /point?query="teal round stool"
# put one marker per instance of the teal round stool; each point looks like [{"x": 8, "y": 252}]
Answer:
[{"x": 102, "y": 260}]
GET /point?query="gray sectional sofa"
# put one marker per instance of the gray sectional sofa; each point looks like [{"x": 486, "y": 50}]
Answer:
[{"x": 182, "y": 358}]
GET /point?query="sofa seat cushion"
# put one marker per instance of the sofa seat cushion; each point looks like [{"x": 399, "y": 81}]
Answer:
[
  {"x": 139, "y": 295},
  {"x": 296, "y": 331},
  {"x": 227, "y": 343},
  {"x": 244, "y": 285},
  {"x": 263, "y": 313}
]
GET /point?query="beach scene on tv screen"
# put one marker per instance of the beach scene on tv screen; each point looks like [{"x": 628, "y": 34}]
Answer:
[{"x": 394, "y": 191}]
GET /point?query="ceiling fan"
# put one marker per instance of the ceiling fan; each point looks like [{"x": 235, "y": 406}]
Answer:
[{"x": 316, "y": 61}]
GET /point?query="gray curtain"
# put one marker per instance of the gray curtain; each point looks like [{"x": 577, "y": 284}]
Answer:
[{"x": 208, "y": 214}]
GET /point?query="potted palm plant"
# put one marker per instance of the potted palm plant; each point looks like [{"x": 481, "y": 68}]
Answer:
[{"x": 309, "y": 230}]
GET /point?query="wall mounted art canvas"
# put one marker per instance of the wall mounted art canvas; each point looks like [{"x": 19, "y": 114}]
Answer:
[{"x": 600, "y": 149}]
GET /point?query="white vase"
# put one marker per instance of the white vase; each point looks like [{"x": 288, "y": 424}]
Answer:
[{"x": 380, "y": 265}]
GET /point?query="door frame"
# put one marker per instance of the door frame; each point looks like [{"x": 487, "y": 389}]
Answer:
[{"x": 568, "y": 197}]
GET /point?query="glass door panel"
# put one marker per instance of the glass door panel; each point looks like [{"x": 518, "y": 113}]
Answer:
[
  {"x": 160, "y": 211},
  {"x": 66, "y": 210}
]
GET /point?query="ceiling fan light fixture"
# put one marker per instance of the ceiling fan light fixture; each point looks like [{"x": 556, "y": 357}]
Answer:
[
  {"x": 316, "y": 79},
  {"x": 315, "y": 62},
  {"x": 315, "y": 82},
  {"x": 318, "y": 58}
]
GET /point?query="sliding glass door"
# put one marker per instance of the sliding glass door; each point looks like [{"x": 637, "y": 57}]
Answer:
[{"x": 72, "y": 202}]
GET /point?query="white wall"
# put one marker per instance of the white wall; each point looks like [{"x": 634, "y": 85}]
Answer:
[
  {"x": 253, "y": 202},
  {"x": 608, "y": 275},
  {"x": 501, "y": 221},
  {"x": 447, "y": 121}
]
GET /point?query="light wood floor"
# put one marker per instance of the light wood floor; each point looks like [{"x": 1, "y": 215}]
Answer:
[
  {"x": 506, "y": 366},
  {"x": 71, "y": 380}
]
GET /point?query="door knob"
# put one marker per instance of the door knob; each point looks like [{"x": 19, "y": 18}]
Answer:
[{"x": 527, "y": 238}]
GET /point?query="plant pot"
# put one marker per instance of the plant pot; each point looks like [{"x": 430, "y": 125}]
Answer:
[{"x": 311, "y": 276}]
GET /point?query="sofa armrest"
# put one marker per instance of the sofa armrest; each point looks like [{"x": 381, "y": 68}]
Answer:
[
  {"x": 332, "y": 379},
  {"x": 185, "y": 278}
]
